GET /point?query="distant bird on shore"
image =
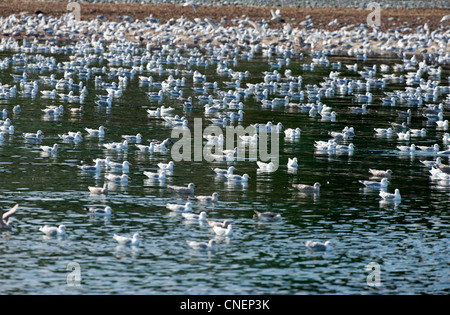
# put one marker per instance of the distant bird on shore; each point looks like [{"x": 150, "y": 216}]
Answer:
[
  {"x": 190, "y": 3},
  {"x": 445, "y": 18},
  {"x": 276, "y": 15}
]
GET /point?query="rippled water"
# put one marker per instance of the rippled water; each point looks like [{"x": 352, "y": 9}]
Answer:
[{"x": 408, "y": 240}]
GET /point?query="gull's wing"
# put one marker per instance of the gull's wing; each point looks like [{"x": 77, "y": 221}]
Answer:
[{"x": 6, "y": 215}]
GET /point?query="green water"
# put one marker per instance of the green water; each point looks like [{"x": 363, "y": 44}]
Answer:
[{"x": 409, "y": 240}]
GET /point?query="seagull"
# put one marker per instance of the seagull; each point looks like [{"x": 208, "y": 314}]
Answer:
[
  {"x": 318, "y": 246},
  {"x": 77, "y": 110},
  {"x": 132, "y": 241},
  {"x": 223, "y": 231},
  {"x": 444, "y": 168},
  {"x": 167, "y": 167},
  {"x": 445, "y": 18},
  {"x": 100, "y": 132},
  {"x": 223, "y": 224},
  {"x": 211, "y": 23},
  {"x": 33, "y": 136},
  {"x": 50, "y": 149},
  {"x": 117, "y": 178},
  {"x": 101, "y": 212},
  {"x": 292, "y": 133},
  {"x": 292, "y": 163},
  {"x": 345, "y": 148},
  {"x": 383, "y": 131},
  {"x": 99, "y": 190},
  {"x": 405, "y": 148},
  {"x": 130, "y": 138},
  {"x": 157, "y": 175},
  {"x": 308, "y": 188},
  {"x": 92, "y": 168},
  {"x": 146, "y": 148},
  {"x": 374, "y": 184},
  {"x": 237, "y": 178},
  {"x": 432, "y": 163},
  {"x": 433, "y": 148},
  {"x": 391, "y": 197},
  {"x": 404, "y": 114},
  {"x": 71, "y": 137},
  {"x": 275, "y": 14},
  {"x": 191, "y": 3},
  {"x": 266, "y": 167},
  {"x": 189, "y": 190},
  {"x": 124, "y": 166},
  {"x": 53, "y": 231},
  {"x": 223, "y": 172},
  {"x": 213, "y": 198},
  {"x": 175, "y": 207},
  {"x": 4, "y": 217},
  {"x": 119, "y": 146},
  {"x": 380, "y": 173},
  {"x": 196, "y": 217},
  {"x": 202, "y": 245},
  {"x": 266, "y": 216}
]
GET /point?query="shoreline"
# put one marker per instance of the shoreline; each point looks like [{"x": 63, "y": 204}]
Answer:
[
  {"x": 402, "y": 31},
  {"x": 320, "y": 17}
]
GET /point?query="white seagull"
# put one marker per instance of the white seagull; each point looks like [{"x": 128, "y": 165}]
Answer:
[
  {"x": 53, "y": 231},
  {"x": 124, "y": 240}
]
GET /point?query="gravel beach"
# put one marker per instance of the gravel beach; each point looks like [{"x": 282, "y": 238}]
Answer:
[{"x": 345, "y": 12}]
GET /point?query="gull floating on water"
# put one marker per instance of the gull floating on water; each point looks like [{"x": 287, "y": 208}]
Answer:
[
  {"x": 380, "y": 173},
  {"x": 292, "y": 163},
  {"x": 4, "y": 217},
  {"x": 266, "y": 167},
  {"x": 53, "y": 231},
  {"x": 202, "y": 245},
  {"x": 157, "y": 175},
  {"x": 375, "y": 185},
  {"x": 100, "y": 132},
  {"x": 433, "y": 148},
  {"x": 237, "y": 178},
  {"x": 391, "y": 197},
  {"x": 213, "y": 198},
  {"x": 267, "y": 216},
  {"x": 405, "y": 148},
  {"x": 50, "y": 149},
  {"x": 115, "y": 166},
  {"x": 92, "y": 168},
  {"x": 308, "y": 188},
  {"x": 130, "y": 138},
  {"x": 101, "y": 212},
  {"x": 223, "y": 231},
  {"x": 124, "y": 240},
  {"x": 189, "y": 190},
  {"x": 292, "y": 133},
  {"x": 195, "y": 217},
  {"x": 318, "y": 246},
  {"x": 117, "y": 178},
  {"x": 175, "y": 207},
  {"x": 99, "y": 190},
  {"x": 223, "y": 172},
  {"x": 166, "y": 166},
  {"x": 33, "y": 136},
  {"x": 223, "y": 224}
]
